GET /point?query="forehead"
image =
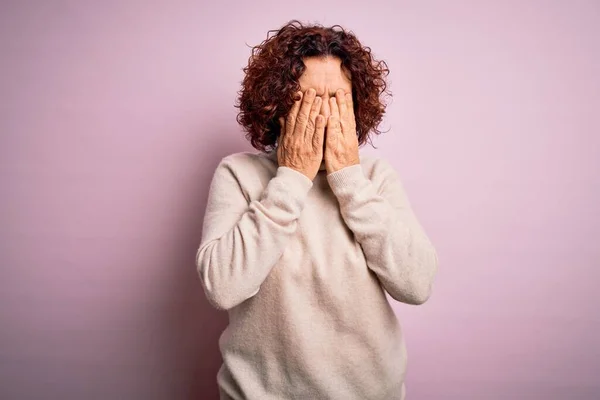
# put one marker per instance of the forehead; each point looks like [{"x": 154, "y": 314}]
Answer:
[{"x": 324, "y": 73}]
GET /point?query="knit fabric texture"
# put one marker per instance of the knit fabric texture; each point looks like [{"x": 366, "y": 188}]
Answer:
[{"x": 302, "y": 267}]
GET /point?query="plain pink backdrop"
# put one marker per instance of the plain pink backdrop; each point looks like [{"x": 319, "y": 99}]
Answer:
[{"x": 114, "y": 114}]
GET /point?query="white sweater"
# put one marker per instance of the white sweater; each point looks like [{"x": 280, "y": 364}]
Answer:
[{"x": 301, "y": 267}]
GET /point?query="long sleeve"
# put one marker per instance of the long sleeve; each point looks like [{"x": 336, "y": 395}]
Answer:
[
  {"x": 394, "y": 243},
  {"x": 242, "y": 240}
]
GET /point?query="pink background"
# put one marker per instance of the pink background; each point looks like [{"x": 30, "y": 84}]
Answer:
[{"x": 114, "y": 114}]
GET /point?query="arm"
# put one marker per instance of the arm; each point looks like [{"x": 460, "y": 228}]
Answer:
[
  {"x": 395, "y": 246},
  {"x": 241, "y": 240}
]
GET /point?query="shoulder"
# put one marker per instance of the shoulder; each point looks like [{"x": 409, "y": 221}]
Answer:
[
  {"x": 380, "y": 171},
  {"x": 246, "y": 168},
  {"x": 247, "y": 159}
]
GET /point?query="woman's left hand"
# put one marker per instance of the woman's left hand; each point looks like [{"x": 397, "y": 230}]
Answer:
[{"x": 341, "y": 142}]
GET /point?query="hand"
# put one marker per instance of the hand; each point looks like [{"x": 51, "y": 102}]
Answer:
[
  {"x": 300, "y": 145},
  {"x": 341, "y": 143}
]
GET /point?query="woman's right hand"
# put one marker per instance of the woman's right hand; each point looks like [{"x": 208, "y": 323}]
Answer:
[{"x": 300, "y": 145}]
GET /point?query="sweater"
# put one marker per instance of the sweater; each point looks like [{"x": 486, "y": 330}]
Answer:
[{"x": 302, "y": 267}]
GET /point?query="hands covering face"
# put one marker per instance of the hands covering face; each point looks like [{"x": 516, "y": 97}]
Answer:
[
  {"x": 303, "y": 143},
  {"x": 341, "y": 141}
]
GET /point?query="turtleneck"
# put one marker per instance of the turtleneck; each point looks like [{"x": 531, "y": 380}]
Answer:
[{"x": 302, "y": 267}]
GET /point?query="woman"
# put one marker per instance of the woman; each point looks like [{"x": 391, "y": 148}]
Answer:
[{"x": 301, "y": 240}]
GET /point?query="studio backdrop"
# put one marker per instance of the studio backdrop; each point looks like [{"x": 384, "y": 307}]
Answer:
[{"x": 114, "y": 115}]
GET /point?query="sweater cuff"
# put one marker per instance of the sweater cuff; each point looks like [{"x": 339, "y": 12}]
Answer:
[
  {"x": 346, "y": 179},
  {"x": 285, "y": 195},
  {"x": 299, "y": 184}
]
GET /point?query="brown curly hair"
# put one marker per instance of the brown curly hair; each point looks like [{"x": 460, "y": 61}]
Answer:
[{"x": 275, "y": 66}]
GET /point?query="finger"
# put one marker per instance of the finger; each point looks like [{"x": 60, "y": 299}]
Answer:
[
  {"x": 303, "y": 114},
  {"x": 333, "y": 133},
  {"x": 334, "y": 116},
  {"x": 341, "y": 102},
  {"x": 340, "y": 97},
  {"x": 333, "y": 127},
  {"x": 335, "y": 111},
  {"x": 314, "y": 111},
  {"x": 317, "y": 138},
  {"x": 291, "y": 117},
  {"x": 350, "y": 104},
  {"x": 350, "y": 121}
]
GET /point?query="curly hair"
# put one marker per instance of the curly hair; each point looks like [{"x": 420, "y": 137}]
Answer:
[{"x": 272, "y": 76}]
